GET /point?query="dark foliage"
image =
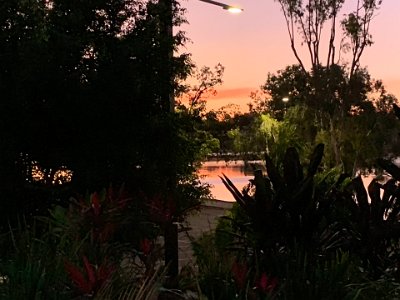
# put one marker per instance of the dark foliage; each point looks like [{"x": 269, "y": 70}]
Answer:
[
  {"x": 83, "y": 86},
  {"x": 300, "y": 214}
]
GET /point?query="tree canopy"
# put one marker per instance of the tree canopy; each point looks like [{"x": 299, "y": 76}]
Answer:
[
  {"x": 310, "y": 20},
  {"x": 83, "y": 87},
  {"x": 337, "y": 102}
]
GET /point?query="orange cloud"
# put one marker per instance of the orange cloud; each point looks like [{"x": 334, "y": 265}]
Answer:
[
  {"x": 243, "y": 92},
  {"x": 239, "y": 96}
]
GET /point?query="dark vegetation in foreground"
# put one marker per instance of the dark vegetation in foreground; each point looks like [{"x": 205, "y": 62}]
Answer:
[{"x": 298, "y": 233}]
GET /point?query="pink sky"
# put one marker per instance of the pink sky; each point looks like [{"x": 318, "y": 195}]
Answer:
[{"x": 256, "y": 42}]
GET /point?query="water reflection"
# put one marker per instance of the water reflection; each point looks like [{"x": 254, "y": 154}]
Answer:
[
  {"x": 240, "y": 174},
  {"x": 237, "y": 171}
]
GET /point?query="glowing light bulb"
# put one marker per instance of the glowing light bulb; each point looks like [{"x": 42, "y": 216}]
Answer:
[{"x": 234, "y": 10}]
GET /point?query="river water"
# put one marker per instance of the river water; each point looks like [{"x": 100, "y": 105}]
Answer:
[{"x": 238, "y": 173}]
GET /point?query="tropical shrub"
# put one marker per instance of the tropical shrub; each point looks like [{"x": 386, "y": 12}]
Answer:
[
  {"x": 313, "y": 234},
  {"x": 214, "y": 265},
  {"x": 100, "y": 244},
  {"x": 282, "y": 230}
]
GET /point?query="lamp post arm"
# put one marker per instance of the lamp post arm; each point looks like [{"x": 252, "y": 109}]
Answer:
[{"x": 223, "y": 5}]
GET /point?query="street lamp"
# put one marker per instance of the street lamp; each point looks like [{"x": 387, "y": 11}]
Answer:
[
  {"x": 230, "y": 8},
  {"x": 166, "y": 29},
  {"x": 285, "y": 100},
  {"x": 171, "y": 229}
]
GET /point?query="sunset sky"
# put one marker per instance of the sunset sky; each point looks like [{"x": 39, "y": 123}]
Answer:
[{"x": 256, "y": 42}]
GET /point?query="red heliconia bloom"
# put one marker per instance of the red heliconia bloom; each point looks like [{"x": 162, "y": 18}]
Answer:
[
  {"x": 146, "y": 246},
  {"x": 89, "y": 281},
  {"x": 266, "y": 284},
  {"x": 239, "y": 271}
]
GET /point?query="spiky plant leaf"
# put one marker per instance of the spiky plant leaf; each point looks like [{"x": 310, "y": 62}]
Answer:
[
  {"x": 389, "y": 188},
  {"x": 243, "y": 200},
  {"x": 315, "y": 160},
  {"x": 292, "y": 169},
  {"x": 273, "y": 174},
  {"x": 361, "y": 195},
  {"x": 390, "y": 167},
  {"x": 377, "y": 211}
]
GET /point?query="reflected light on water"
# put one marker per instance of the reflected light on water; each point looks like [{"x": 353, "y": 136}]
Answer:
[
  {"x": 236, "y": 171},
  {"x": 238, "y": 174}
]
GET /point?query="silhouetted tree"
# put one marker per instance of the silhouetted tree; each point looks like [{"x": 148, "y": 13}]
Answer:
[
  {"x": 337, "y": 102},
  {"x": 83, "y": 86}
]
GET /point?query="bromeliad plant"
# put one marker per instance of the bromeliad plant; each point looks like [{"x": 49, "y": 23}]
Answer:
[
  {"x": 84, "y": 234},
  {"x": 91, "y": 279},
  {"x": 89, "y": 224},
  {"x": 102, "y": 235}
]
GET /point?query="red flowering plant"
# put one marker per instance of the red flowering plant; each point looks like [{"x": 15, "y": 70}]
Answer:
[
  {"x": 91, "y": 222},
  {"x": 95, "y": 228},
  {"x": 266, "y": 285},
  {"x": 101, "y": 213},
  {"x": 150, "y": 254},
  {"x": 89, "y": 280},
  {"x": 263, "y": 287}
]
